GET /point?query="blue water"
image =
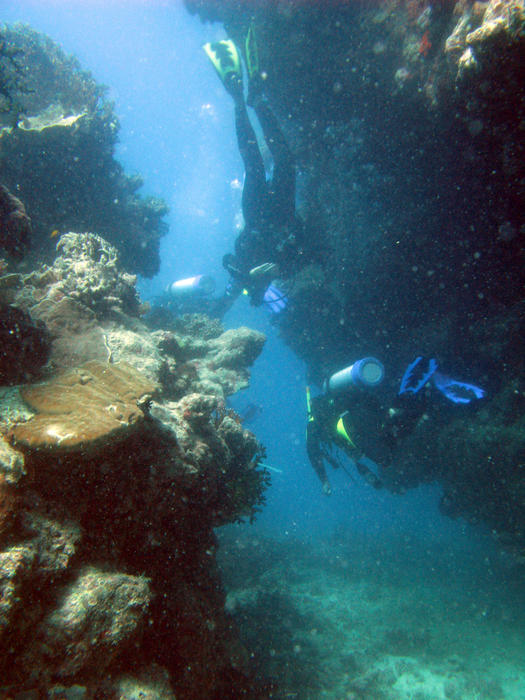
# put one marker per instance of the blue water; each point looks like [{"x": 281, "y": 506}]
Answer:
[{"x": 177, "y": 131}]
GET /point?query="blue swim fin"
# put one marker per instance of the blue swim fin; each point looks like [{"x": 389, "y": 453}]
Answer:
[
  {"x": 410, "y": 382},
  {"x": 457, "y": 392}
]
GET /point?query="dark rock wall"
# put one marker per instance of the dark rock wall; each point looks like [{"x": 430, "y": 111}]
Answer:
[{"x": 404, "y": 117}]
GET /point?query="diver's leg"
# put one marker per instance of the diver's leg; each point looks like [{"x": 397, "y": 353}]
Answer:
[
  {"x": 283, "y": 181},
  {"x": 254, "y": 190}
]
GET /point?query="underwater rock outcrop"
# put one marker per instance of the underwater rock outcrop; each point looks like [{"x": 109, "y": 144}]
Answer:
[
  {"x": 115, "y": 466},
  {"x": 58, "y": 134},
  {"x": 24, "y": 345},
  {"x": 405, "y": 118},
  {"x": 15, "y": 225}
]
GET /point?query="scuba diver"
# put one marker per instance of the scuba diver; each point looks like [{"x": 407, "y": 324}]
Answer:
[
  {"x": 196, "y": 295},
  {"x": 350, "y": 416},
  {"x": 270, "y": 244}
]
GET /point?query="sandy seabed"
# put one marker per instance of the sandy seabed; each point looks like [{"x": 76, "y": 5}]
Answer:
[{"x": 360, "y": 618}]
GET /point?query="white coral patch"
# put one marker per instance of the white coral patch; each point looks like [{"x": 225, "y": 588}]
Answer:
[{"x": 54, "y": 431}]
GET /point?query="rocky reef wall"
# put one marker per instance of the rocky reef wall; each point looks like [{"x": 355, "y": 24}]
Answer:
[
  {"x": 57, "y": 140},
  {"x": 118, "y": 457},
  {"x": 404, "y": 117}
]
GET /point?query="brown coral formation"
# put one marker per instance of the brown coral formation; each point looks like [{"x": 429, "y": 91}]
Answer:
[
  {"x": 92, "y": 404},
  {"x": 94, "y": 616},
  {"x": 214, "y": 365},
  {"x": 120, "y": 462},
  {"x": 90, "y": 308},
  {"x": 483, "y": 34}
]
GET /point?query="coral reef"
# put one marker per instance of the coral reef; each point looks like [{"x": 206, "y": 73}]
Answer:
[
  {"x": 215, "y": 366},
  {"x": 100, "y": 607},
  {"x": 86, "y": 271},
  {"x": 114, "y": 469},
  {"x": 58, "y": 133},
  {"x": 91, "y": 404}
]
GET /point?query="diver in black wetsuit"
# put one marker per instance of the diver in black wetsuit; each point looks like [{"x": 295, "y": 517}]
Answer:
[
  {"x": 348, "y": 416},
  {"x": 271, "y": 242}
]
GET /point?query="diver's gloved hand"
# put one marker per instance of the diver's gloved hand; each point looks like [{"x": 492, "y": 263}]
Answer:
[
  {"x": 259, "y": 278},
  {"x": 327, "y": 489},
  {"x": 267, "y": 270}
]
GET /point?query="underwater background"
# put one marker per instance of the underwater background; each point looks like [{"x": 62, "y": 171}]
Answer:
[{"x": 365, "y": 594}]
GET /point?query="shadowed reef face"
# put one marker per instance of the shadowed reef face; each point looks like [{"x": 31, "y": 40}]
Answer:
[{"x": 403, "y": 118}]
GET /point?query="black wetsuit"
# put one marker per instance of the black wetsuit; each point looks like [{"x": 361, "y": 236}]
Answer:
[
  {"x": 272, "y": 232},
  {"x": 366, "y": 427}
]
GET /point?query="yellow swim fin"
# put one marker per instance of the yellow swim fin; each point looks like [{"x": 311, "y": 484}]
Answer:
[
  {"x": 226, "y": 61},
  {"x": 252, "y": 53}
]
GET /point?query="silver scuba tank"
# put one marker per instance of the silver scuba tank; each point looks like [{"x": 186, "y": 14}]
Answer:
[
  {"x": 198, "y": 286},
  {"x": 367, "y": 372}
]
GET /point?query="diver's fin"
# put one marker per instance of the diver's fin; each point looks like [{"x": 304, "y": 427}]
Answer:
[
  {"x": 275, "y": 299},
  {"x": 226, "y": 61},
  {"x": 457, "y": 392},
  {"x": 256, "y": 78},
  {"x": 411, "y": 383},
  {"x": 252, "y": 53}
]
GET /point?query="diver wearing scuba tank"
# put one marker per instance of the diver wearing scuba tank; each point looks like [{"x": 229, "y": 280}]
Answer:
[
  {"x": 273, "y": 233},
  {"x": 349, "y": 415}
]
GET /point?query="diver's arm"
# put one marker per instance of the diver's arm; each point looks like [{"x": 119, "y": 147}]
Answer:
[
  {"x": 345, "y": 440},
  {"x": 364, "y": 465},
  {"x": 315, "y": 454}
]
